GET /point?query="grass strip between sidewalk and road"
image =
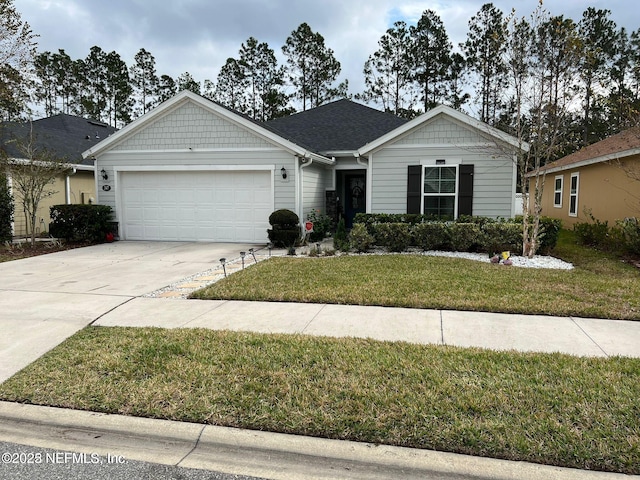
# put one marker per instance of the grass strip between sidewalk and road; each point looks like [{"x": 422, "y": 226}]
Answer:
[
  {"x": 599, "y": 286},
  {"x": 547, "y": 408}
]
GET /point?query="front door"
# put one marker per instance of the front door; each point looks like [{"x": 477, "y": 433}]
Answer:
[{"x": 355, "y": 200}]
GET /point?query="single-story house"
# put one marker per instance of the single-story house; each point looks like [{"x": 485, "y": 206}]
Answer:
[
  {"x": 65, "y": 136},
  {"x": 601, "y": 180},
  {"x": 192, "y": 169}
]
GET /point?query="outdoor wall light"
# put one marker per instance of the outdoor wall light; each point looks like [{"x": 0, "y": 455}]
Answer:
[
  {"x": 283, "y": 171},
  {"x": 104, "y": 174}
]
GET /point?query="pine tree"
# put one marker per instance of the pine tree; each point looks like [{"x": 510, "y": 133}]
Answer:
[
  {"x": 431, "y": 58},
  {"x": 597, "y": 33},
  {"x": 144, "y": 80},
  {"x": 484, "y": 50},
  {"x": 387, "y": 72},
  {"x": 312, "y": 67}
]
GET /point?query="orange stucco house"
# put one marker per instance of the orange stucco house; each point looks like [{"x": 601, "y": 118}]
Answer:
[{"x": 602, "y": 180}]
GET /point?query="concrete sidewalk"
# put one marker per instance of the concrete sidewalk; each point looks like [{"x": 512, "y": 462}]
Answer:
[
  {"x": 246, "y": 452},
  {"x": 532, "y": 333}
]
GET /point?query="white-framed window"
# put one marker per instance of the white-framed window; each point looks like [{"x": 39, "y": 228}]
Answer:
[
  {"x": 557, "y": 191},
  {"x": 440, "y": 188},
  {"x": 573, "y": 194}
]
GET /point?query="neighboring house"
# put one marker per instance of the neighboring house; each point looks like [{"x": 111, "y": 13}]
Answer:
[
  {"x": 194, "y": 170},
  {"x": 601, "y": 180},
  {"x": 66, "y": 136}
]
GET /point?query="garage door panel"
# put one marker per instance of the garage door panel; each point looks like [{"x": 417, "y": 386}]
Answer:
[{"x": 200, "y": 206}]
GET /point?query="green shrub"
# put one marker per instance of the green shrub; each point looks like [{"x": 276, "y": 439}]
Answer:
[
  {"x": 395, "y": 237},
  {"x": 360, "y": 239},
  {"x": 432, "y": 236},
  {"x": 340, "y": 241},
  {"x": 370, "y": 220},
  {"x": 80, "y": 223},
  {"x": 285, "y": 231},
  {"x": 322, "y": 225},
  {"x": 549, "y": 231},
  {"x": 592, "y": 234},
  {"x": 629, "y": 229},
  {"x": 465, "y": 237},
  {"x": 6, "y": 210},
  {"x": 501, "y": 236},
  {"x": 284, "y": 218}
]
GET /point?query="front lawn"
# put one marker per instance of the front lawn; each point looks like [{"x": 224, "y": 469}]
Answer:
[
  {"x": 600, "y": 286},
  {"x": 548, "y": 408}
]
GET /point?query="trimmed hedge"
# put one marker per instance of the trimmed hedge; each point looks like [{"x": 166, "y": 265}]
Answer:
[
  {"x": 80, "y": 223},
  {"x": 286, "y": 228},
  {"x": 396, "y": 237},
  {"x": 397, "y": 232}
]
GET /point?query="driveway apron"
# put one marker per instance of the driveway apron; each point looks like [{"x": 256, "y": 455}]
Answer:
[{"x": 46, "y": 299}]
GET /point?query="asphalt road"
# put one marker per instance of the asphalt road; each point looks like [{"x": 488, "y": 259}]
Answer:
[{"x": 20, "y": 462}]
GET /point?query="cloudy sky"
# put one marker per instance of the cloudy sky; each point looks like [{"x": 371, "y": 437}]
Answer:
[{"x": 199, "y": 35}]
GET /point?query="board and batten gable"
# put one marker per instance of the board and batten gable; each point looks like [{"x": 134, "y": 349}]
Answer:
[{"x": 449, "y": 140}]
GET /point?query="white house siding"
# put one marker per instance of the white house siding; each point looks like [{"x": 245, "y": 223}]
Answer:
[
  {"x": 192, "y": 138},
  {"x": 315, "y": 179},
  {"x": 493, "y": 189}
]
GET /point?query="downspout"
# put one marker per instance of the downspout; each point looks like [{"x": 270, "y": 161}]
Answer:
[
  {"x": 67, "y": 182},
  {"x": 304, "y": 163},
  {"x": 369, "y": 179}
]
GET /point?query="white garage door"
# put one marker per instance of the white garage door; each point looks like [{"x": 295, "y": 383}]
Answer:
[{"x": 218, "y": 206}]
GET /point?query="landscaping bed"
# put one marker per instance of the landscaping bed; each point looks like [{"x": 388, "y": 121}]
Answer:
[
  {"x": 16, "y": 251},
  {"x": 599, "y": 286}
]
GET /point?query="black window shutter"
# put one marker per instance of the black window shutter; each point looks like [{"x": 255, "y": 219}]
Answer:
[
  {"x": 414, "y": 190},
  {"x": 465, "y": 193}
]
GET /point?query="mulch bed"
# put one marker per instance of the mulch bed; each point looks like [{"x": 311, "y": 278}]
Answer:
[{"x": 16, "y": 251}]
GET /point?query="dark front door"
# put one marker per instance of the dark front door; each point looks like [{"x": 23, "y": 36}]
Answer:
[{"x": 355, "y": 200}]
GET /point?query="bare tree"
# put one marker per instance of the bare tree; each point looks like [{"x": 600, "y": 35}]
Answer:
[
  {"x": 541, "y": 96},
  {"x": 32, "y": 176}
]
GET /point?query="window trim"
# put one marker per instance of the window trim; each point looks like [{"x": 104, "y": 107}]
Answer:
[
  {"x": 557, "y": 190},
  {"x": 455, "y": 193},
  {"x": 574, "y": 195}
]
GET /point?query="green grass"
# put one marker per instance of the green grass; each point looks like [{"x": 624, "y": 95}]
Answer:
[
  {"x": 600, "y": 286},
  {"x": 548, "y": 408}
]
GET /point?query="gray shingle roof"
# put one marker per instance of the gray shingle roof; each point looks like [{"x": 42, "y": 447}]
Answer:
[
  {"x": 65, "y": 135},
  {"x": 342, "y": 125}
]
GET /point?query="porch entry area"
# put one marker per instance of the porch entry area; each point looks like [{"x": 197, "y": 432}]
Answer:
[{"x": 351, "y": 191}]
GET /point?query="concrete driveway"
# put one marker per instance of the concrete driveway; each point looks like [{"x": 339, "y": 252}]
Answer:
[{"x": 45, "y": 299}]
